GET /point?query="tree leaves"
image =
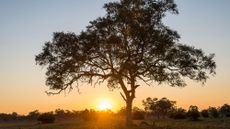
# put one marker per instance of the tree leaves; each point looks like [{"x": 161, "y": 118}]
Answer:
[{"x": 130, "y": 43}]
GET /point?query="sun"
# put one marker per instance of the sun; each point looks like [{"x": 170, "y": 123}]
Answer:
[{"x": 104, "y": 105}]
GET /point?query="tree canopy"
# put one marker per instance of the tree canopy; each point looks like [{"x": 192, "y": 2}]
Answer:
[
  {"x": 193, "y": 112},
  {"x": 160, "y": 108},
  {"x": 225, "y": 110},
  {"x": 128, "y": 45}
]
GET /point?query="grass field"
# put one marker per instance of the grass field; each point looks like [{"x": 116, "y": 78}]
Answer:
[{"x": 118, "y": 124}]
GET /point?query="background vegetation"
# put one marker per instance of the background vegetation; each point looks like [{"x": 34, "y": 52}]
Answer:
[{"x": 157, "y": 114}]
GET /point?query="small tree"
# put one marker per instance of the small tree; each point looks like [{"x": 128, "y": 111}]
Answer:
[
  {"x": 60, "y": 113},
  {"x": 160, "y": 108},
  {"x": 128, "y": 45},
  {"x": 225, "y": 110},
  {"x": 178, "y": 113},
  {"x": 88, "y": 115},
  {"x": 33, "y": 115},
  {"x": 193, "y": 113},
  {"x": 213, "y": 112},
  {"x": 46, "y": 118},
  {"x": 14, "y": 116},
  {"x": 205, "y": 113}
]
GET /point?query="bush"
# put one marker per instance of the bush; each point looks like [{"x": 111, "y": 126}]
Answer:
[
  {"x": 225, "y": 110},
  {"x": 205, "y": 113},
  {"x": 138, "y": 115},
  {"x": 46, "y": 118},
  {"x": 193, "y": 113},
  {"x": 33, "y": 115},
  {"x": 213, "y": 112},
  {"x": 179, "y": 113}
]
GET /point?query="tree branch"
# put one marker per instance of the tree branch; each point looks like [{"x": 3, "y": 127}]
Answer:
[{"x": 123, "y": 97}]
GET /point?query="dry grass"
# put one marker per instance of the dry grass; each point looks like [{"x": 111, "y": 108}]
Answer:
[{"x": 113, "y": 123}]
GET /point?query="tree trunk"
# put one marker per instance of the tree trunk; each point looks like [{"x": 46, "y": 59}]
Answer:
[
  {"x": 128, "y": 97},
  {"x": 129, "y": 112}
]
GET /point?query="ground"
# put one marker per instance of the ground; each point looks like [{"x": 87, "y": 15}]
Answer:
[{"x": 117, "y": 124}]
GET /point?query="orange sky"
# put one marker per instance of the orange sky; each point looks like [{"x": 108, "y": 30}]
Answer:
[{"x": 25, "y": 100}]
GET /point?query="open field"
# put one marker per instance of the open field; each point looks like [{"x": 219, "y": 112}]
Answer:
[{"x": 117, "y": 124}]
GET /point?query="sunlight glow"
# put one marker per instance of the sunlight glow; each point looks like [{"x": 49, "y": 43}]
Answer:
[{"x": 105, "y": 105}]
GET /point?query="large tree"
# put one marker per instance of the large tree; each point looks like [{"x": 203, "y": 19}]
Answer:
[{"x": 128, "y": 45}]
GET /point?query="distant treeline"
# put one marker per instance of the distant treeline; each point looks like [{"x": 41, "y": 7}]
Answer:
[
  {"x": 154, "y": 108},
  {"x": 87, "y": 114},
  {"x": 165, "y": 108}
]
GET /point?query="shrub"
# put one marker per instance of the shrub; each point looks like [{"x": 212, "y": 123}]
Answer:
[
  {"x": 213, "y": 112},
  {"x": 46, "y": 118},
  {"x": 33, "y": 115},
  {"x": 225, "y": 110},
  {"x": 193, "y": 113},
  {"x": 205, "y": 113},
  {"x": 179, "y": 113},
  {"x": 138, "y": 115}
]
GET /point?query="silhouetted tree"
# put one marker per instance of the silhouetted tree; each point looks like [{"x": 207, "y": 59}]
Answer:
[
  {"x": 9, "y": 117},
  {"x": 68, "y": 113},
  {"x": 204, "y": 113},
  {"x": 193, "y": 113},
  {"x": 60, "y": 113},
  {"x": 33, "y": 115},
  {"x": 178, "y": 113},
  {"x": 150, "y": 106},
  {"x": 76, "y": 114},
  {"x": 88, "y": 115},
  {"x": 128, "y": 45},
  {"x": 46, "y": 118},
  {"x": 160, "y": 107},
  {"x": 4, "y": 117},
  {"x": 225, "y": 110},
  {"x": 122, "y": 111},
  {"x": 14, "y": 115},
  {"x": 213, "y": 112}
]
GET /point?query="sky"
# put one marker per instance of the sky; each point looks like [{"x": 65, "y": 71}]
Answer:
[{"x": 26, "y": 25}]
